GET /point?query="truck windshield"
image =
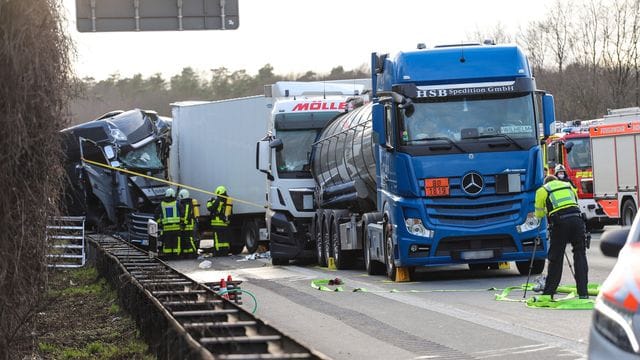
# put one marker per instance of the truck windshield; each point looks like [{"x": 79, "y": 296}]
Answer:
[
  {"x": 145, "y": 158},
  {"x": 294, "y": 156},
  {"x": 579, "y": 157},
  {"x": 507, "y": 118}
]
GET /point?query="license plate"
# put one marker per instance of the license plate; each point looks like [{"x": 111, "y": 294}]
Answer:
[{"x": 475, "y": 255}]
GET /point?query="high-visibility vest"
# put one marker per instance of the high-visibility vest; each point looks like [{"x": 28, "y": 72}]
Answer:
[
  {"x": 188, "y": 213},
  {"x": 170, "y": 215},
  {"x": 561, "y": 195}
]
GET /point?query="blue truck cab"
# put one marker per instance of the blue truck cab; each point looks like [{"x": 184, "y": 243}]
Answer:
[{"x": 457, "y": 132}]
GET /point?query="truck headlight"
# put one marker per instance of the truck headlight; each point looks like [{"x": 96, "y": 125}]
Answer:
[
  {"x": 530, "y": 223},
  {"x": 415, "y": 227}
]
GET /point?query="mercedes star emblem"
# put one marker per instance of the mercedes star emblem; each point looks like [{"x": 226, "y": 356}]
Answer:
[{"x": 472, "y": 183}]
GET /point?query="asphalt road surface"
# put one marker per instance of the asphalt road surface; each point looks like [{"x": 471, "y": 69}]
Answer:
[{"x": 445, "y": 313}]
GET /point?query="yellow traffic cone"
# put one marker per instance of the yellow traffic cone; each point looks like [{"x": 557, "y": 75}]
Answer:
[{"x": 332, "y": 264}]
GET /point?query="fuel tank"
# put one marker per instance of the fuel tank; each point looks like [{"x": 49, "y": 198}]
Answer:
[{"x": 343, "y": 164}]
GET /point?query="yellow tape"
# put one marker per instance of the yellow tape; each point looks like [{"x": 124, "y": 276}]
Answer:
[{"x": 170, "y": 182}]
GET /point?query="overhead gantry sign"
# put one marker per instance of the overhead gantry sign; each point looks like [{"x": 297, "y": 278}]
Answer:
[{"x": 156, "y": 15}]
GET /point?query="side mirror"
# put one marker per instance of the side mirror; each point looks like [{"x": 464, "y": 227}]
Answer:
[
  {"x": 408, "y": 107},
  {"x": 549, "y": 114},
  {"x": 276, "y": 144},
  {"x": 263, "y": 155},
  {"x": 379, "y": 124},
  {"x": 612, "y": 241}
]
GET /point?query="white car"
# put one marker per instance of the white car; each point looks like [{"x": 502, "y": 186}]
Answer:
[{"x": 615, "y": 329}]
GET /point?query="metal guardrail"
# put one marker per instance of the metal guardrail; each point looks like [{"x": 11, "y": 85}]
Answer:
[
  {"x": 65, "y": 237},
  {"x": 182, "y": 319}
]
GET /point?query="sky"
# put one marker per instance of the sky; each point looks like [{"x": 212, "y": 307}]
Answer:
[{"x": 295, "y": 36}]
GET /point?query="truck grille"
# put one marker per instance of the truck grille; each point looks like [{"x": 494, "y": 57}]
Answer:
[
  {"x": 138, "y": 227},
  {"x": 298, "y": 200},
  {"x": 473, "y": 212},
  {"x": 493, "y": 204}
]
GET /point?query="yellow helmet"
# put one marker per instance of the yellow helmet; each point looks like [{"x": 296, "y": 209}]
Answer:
[{"x": 221, "y": 190}]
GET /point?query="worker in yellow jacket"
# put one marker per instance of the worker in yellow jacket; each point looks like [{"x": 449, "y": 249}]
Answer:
[
  {"x": 189, "y": 212},
  {"x": 168, "y": 219},
  {"x": 558, "y": 200},
  {"x": 220, "y": 208}
]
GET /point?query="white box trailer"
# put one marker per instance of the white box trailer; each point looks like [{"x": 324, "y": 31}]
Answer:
[
  {"x": 213, "y": 143},
  {"x": 615, "y": 151}
]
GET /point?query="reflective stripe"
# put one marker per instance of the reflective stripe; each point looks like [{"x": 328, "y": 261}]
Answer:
[
  {"x": 560, "y": 196},
  {"x": 217, "y": 243},
  {"x": 216, "y": 219},
  {"x": 188, "y": 219},
  {"x": 170, "y": 215}
]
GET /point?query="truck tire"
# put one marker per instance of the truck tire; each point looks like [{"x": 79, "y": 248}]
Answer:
[
  {"x": 343, "y": 259},
  {"x": 326, "y": 239},
  {"x": 536, "y": 268},
  {"x": 236, "y": 243},
  {"x": 628, "y": 212},
  {"x": 251, "y": 236},
  {"x": 373, "y": 267},
  {"x": 316, "y": 231},
  {"x": 388, "y": 249}
]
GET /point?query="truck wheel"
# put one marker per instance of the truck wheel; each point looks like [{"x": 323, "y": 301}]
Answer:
[
  {"x": 316, "y": 229},
  {"x": 341, "y": 258},
  {"x": 250, "y": 236},
  {"x": 373, "y": 267},
  {"x": 628, "y": 213},
  {"x": 237, "y": 244},
  {"x": 536, "y": 268},
  {"x": 388, "y": 249},
  {"x": 326, "y": 240}
]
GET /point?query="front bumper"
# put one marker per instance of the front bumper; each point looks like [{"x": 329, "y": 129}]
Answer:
[{"x": 289, "y": 240}]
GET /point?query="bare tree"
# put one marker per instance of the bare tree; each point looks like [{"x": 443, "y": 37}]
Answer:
[
  {"x": 34, "y": 88},
  {"x": 498, "y": 34},
  {"x": 621, "y": 49},
  {"x": 532, "y": 40},
  {"x": 557, "y": 30}
]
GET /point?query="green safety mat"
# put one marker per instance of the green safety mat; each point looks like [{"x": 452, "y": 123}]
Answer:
[{"x": 569, "y": 302}]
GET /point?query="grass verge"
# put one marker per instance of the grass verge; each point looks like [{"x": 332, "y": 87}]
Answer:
[{"x": 84, "y": 321}]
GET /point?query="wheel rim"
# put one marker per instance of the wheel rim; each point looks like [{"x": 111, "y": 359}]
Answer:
[
  {"x": 326, "y": 246},
  {"x": 336, "y": 246},
  {"x": 319, "y": 247},
  {"x": 389, "y": 247},
  {"x": 367, "y": 256}
]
